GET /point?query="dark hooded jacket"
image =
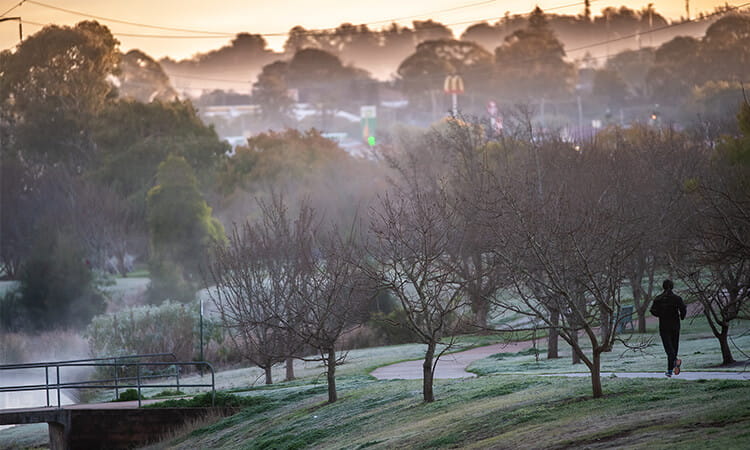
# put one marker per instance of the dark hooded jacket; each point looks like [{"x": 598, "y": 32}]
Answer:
[{"x": 670, "y": 309}]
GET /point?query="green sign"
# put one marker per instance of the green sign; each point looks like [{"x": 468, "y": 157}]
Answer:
[{"x": 368, "y": 121}]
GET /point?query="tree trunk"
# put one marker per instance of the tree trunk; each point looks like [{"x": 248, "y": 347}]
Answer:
[
  {"x": 269, "y": 377},
  {"x": 289, "y": 369},
  {"x": 641, "y": 321},
  {"x": 554, "y": 335},
  {"x": 427, "y": 373},
  {"x": 574, "y": 339},
  {"x": 641, "y": 306},
  {"x": 481, "y": 309},
  {"x": 726, "y": 352},
  {"x": 331, "y": 375},
  {"x": 606, "y": 327},
  {"x": 596, "y": 379}
]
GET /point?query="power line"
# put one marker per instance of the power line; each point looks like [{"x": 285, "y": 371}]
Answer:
[
  {"x": 576, "y": 49},
  {"x": 224, "y": 34},
  {"x": 215, "y": 34},
  {"x": 126, "y": 22},
  {"x": 455, "y": 8},
  {"x": 12, "y": 8},
  {"x": 149, "y": 36},
  {"x": 654, "y": 30}
]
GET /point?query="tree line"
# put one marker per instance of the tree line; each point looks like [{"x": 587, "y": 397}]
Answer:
[
  {"x": 519, "y": 59},
  {"x": 471, "y": 229},
  {"x": 456, "y": 225}
]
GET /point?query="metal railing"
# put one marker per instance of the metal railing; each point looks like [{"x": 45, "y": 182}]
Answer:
[{"x": 119, "y": 365}]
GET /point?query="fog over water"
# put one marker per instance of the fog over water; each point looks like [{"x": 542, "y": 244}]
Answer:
[{"x": 53, "y": 346}]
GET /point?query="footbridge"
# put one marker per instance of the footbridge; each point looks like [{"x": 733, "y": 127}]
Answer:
[{"x": 110, "y": 425}]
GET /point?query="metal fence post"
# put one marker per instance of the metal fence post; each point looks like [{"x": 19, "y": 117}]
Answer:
[
  {"x": 46, "y": 382},
  {"x": 138, "y": 379},
  {"x": 58, "y": 386},
  {"x": 213, "y": 386},
  {"x": 117, "y": 390}
]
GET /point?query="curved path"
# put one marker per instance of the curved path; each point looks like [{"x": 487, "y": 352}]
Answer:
[
  {"x": 454, "y": 366},
  {"x": 449, "y": 366}
]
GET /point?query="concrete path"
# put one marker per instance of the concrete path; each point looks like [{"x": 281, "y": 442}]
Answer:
[
  {"x": 454, "y": 366},
  {"x": 449, "y": 366},
  {"x": 682, "y": 376}
]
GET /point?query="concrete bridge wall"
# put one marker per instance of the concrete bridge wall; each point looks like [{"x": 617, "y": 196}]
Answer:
[{"x": 110, "y": 428}]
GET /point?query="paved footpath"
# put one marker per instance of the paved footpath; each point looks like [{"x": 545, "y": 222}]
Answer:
[{"x": 454, "y": 366}]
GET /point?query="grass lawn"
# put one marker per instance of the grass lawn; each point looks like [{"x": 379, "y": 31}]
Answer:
[
  {"x": 502, "y": 408},
  {"x": 699, "y": 351},
  {"x": 505, "y": 407},
  {"x": 498, "y": 411}
]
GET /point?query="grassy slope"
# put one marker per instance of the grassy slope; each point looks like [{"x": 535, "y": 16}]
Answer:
[
  {"x": 699, "y": 351},
  {"x": 501, "y": 409}
]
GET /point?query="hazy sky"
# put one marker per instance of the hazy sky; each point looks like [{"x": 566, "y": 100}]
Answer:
[{"x": 271, "y": 17}]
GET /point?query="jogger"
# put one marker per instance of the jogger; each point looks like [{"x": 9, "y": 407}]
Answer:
[{"x": 670, "y": 309}]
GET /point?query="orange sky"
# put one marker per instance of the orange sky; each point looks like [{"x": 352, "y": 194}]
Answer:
[{"x": 276, "y": 17}]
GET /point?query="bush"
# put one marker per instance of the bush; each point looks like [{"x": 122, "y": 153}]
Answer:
[
  {"x": 168, "y": 283},
  {"x": 222, "y": 399},
  {"x": 13, "y": 316},
  {"x": 128, "y": 395},
  {"x": 170, "y": 327},
  {"x": 56, "y": 287},
  {"x": 387, "y": 329}
]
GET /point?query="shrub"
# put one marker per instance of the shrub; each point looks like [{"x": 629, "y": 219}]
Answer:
[
  {"x": 389, "y": 330},
  {"x": 128, "y": 395},
  {"x": 170, "y": 327},
  {"x": 56, "y": 286},
  {"x": 221, "y": 399},
  {"x": 13, "y": 316}
]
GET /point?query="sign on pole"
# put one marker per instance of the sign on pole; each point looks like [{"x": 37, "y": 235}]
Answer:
[
  {"x": 368, "y": 120},
  {"x": 453, "y": 86}
]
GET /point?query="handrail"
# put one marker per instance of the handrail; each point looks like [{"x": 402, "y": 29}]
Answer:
[
  {"x": 58, "y": 385},
  {"x": 73, "y": 361}
]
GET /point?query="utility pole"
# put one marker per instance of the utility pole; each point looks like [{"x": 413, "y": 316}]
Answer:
[
  {"x": 587, "y": 10},
  {"x": 687, "y": 9},
  {"x": 20, "y": 25}
]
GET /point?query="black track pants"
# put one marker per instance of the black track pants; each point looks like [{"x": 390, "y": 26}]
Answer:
[{"x": 671, "y": 340}]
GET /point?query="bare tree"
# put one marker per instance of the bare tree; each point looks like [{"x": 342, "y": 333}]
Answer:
[
  {"x": 657, "y": 161},
  {"x": 411, "y": 241},
  {"x": 103, "y": 222},
  {"x": 452, "y": 161},
  {"x": 566, "y": 250},
  {"x": 251, "y": 280},
  {"x": 330, "y": 291},
  {"x": 714, "y": 261}
]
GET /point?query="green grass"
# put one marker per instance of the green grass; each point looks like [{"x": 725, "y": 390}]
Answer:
[
  {"x": 699, "y": 350},
  {"x": 507, "y": 411},
  {"x": 506, "y": 407},
  {"x": 140, "y": 273},
  {"x": 219, "y": 399}
]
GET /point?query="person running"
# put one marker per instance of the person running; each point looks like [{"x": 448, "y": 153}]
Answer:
[{"x": 670, "y": 309}]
